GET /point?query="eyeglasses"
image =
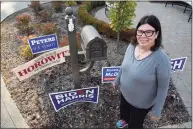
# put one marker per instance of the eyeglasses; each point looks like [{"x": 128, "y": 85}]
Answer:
[{"x": 148, "y": 33}]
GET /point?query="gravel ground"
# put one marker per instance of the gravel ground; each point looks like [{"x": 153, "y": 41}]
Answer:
[{"x": 31, "y": 95}]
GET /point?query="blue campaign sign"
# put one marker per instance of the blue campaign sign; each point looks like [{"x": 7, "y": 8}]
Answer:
[
  {"x": 109, "y": 74},
  {"x": 63, "y": 99},
  {"x": 178, "y": 64},
  {"x": 43, "y": 43}
]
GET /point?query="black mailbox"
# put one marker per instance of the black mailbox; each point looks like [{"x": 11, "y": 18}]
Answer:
[{"x": 94, "y": 45}]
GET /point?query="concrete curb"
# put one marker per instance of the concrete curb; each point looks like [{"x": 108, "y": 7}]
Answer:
[{"x": 10, "y": 116}]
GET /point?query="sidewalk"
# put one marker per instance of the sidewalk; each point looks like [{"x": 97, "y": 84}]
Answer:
[{"x": 10, "y": 115}]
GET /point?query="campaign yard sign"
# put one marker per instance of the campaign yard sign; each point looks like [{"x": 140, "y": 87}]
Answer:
[
  {"x": 42, "y": 62},
  {"x": 178, "y": 64},
  {"x": 109, "y": 74},
  {"x": 43, "y": 43},
  {"x": 66, "y": 98}
]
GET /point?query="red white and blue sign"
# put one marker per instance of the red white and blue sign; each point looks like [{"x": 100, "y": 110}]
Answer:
[
  {"x": 109, "y": 74},
  {"x": 178, "y": 64},
  {"x": 43, "y": 43},
  {"x": 66, "y": 98}
]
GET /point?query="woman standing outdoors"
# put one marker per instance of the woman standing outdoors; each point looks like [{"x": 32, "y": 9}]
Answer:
[{"x": 144, "y": 75}]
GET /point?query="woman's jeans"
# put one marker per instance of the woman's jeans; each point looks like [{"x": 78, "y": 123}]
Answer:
[{"x": 132, "y": 115}]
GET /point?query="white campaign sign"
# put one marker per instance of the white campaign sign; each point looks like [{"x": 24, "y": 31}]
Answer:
[{"x": 42, "y": 62}]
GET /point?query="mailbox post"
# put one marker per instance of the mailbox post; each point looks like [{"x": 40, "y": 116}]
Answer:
[
  {"x": 94, "y": 47},
  {"x": 71, "y": 29}
]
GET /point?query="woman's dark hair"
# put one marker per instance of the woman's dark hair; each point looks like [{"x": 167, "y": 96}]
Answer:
[{"x": 155, "y": 23}]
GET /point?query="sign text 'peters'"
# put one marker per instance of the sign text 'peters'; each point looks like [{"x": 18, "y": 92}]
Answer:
[{"x": 43, "y": 43}]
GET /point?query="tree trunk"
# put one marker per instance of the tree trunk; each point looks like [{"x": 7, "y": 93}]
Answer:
[{"x": 118, "y": 35}]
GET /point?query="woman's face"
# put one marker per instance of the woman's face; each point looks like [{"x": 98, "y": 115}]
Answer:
[{"x": 146, "y": 35}]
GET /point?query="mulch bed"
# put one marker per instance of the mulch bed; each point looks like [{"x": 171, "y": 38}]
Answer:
[{"x": 31, "y": 95}]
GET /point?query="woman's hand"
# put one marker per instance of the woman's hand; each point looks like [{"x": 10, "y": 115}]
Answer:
[
  {"x": 115, "y": 87},
  {"x": 154, "y": 118}
]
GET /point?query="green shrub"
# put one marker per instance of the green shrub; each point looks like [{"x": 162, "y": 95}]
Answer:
[
  {"x": 25, "y": 50},
  {"x": 47, "y": 28},
  {"x": 69, "y": 3},
  {"x": 35, "y": 6},
  {"x": 87, "y": 6},
  {"x": 23, "y": 23},
  {"x": 23, "y": 19},
  {"x": 44, "y": 15},
  {"x": 64, "y": 41},
  {"x": 57, "y": 5},
  {"x": 102, "y": 27}
]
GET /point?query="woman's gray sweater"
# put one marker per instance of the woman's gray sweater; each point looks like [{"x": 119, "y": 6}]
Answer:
[{"x": 145, "y": 82}]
